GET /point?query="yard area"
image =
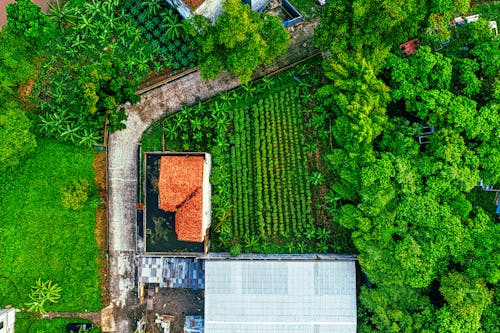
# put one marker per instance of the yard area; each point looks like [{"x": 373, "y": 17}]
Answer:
[
  {"x": 39, "y": 238},
  {"x": 267, "y": 180}
]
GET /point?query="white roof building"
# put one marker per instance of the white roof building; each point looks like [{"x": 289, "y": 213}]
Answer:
[{"x": 280, "y": 296}]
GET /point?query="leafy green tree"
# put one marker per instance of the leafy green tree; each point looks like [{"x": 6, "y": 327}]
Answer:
[
  {"x": 466, "y": 299},
  {"x": 395, "y": 309},
  {"x": 16, "y": 65},
  {"x": 238, "y": 42},
  {"x": 25, "y": 18}
]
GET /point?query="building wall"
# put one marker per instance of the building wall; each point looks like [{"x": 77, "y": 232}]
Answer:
[
  {"x": 210, "y": 9},
  {"x": 207, "y": 196},
  {"x": 7, "y": 320},
  {"x": 257, "y": 5}
]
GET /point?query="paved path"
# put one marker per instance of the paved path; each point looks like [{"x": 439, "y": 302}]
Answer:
[{"x": 122, "y": 165}]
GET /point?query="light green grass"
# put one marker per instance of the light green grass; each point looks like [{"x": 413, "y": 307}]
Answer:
[
  {"x": 25, "y": 324},
  {"x": 41, "y": 239}
]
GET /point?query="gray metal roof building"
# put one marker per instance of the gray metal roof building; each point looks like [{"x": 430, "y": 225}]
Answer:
[{"x": 280, "y": 296}]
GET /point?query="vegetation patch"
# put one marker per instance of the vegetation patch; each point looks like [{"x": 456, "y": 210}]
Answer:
[
  {"x": 39, "y": 239},
  {"x": 264, "y": 174}
]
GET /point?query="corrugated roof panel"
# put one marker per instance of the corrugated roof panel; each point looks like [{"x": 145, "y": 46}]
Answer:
[{"x": 280, "y": 296}]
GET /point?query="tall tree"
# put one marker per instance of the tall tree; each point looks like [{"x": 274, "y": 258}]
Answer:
[{"x": 238, "y": 42}]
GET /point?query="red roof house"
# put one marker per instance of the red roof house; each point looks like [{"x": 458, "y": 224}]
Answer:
[{"x": 184, "y": 189}]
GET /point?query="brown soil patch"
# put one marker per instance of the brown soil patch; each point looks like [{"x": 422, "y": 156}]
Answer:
[
  {"x": 100, "y": 165},
  {"x": 177, "y": 302},
  {"x": 193, "y": 4}
]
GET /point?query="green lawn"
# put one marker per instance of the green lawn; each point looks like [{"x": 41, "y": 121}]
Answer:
[{"x": 41, "y": 239}]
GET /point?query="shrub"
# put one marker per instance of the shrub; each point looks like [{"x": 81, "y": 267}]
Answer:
[
  {"x": 74, "y": 195},
  {"x": 41, "y": 293},
  {"x": 235, "y": 249}
]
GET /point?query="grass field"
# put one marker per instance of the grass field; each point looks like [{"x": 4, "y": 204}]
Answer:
[
  {"x": 41, "y": 239},
  {"x": 25, "y": 324}
]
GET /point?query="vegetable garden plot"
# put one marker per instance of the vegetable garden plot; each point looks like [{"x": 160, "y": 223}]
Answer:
[{"x": 270, "y": 189}]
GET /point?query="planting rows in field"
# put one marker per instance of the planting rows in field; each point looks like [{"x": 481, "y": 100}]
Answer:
[{"x": 270, "y": 188}]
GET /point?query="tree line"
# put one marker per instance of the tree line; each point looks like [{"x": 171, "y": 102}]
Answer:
[{"x": 426, "y": 234}]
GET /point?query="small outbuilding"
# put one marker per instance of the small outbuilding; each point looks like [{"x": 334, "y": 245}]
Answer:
[
  {"x": 7, "y": 320},
  {"x": 177, "y": 202}
]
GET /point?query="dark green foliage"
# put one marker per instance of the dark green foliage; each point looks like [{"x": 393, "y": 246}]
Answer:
[
  {"x": 40, "y": 239},
  {"x": 238, "y": 42},
  {"x": 16, "y": 66},
  {"x": 425, "y": 239},
  {"x": 94, "y": 67},
  {"x": 162, "y": 33},
  {"x": 25, "y": 18},
  {"x": 25, "y": 323}
]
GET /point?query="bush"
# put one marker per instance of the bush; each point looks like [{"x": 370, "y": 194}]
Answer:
[
  {"x": 235, "y": 249},
  {"x": 74, "y": 195},
  {"x": 25, "y": 18}
]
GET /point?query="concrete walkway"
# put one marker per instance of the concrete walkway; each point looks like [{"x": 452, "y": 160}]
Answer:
[{"x": 122, "y": 165}]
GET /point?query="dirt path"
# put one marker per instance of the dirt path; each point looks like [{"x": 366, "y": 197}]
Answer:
[{"x": 122, "y": 164}]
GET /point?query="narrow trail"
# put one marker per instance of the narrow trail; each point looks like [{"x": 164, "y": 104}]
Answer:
[
  {"x": 122, "y": 163},
  {"x": 94, "y": 317}
]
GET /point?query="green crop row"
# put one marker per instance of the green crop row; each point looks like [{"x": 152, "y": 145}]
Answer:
[{"x": 271, "y": 194}]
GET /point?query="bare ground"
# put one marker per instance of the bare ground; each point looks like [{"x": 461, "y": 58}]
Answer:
[{"x": 122, "y": 166}]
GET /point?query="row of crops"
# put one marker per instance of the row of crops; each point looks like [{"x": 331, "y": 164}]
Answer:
[
  {"x": 163, "y": 34},
  {"x": 270, "y": 193},
  {"x": 266, "y": 178}
]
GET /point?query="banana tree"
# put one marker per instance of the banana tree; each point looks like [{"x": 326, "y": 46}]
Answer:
[
  {"x": 173, "y": 27},
  {"x": 62, "y": 13}
]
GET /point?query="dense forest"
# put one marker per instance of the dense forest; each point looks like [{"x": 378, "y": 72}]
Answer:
[{"x": 413, "y": 136}]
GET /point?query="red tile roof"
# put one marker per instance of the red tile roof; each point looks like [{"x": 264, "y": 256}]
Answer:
[
  {"x": 188, "y": 221},
  {"x": 193, "y": 4},
  {"x": 411, "y": 46},
  {"x": 180, "y": 187}
]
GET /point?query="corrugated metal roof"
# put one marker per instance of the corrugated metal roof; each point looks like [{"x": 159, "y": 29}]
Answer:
[{"x": 280, "y": 296}]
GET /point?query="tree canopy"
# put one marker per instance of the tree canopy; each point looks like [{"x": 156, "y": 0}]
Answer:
[
  {"x": 238, "y": 42},
  {"x": 423, "y": 229}
]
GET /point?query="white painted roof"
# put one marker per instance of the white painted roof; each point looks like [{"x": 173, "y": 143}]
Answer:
[{"x": 280, "y": 296}]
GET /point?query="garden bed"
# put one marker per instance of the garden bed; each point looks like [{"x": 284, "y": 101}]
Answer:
[{"x": 264, "y": 152}]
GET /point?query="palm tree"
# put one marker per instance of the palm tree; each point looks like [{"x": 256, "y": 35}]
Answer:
[
  {"x": 323, "y": 234},
  {"x": 251, "y": 243},
  {"x": 41, "y": 293},
  {"x": 316, "y": 178},
  {"x": 61, "y": 13},
  {"x": 173, "y": 28},
  {"x": 153, "y": 6},
  {"x": 322, "y": 247}
]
